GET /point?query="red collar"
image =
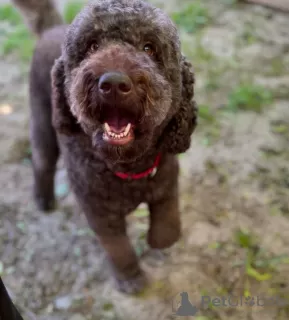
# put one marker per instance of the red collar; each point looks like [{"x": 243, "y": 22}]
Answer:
[{"x": 135, "y": 176}]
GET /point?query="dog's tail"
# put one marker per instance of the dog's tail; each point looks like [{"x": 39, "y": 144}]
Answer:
[{"x": 39, "y": 15}]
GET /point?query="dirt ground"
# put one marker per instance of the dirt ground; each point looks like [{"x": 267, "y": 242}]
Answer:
[{"x": 234, "y": 192}]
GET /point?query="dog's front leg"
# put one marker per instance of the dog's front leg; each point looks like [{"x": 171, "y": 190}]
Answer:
[
  {"x": 111, "y": 232},
  {"x": 165, "y": 223}
]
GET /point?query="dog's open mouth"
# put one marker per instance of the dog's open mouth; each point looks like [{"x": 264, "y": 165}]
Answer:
[
  {"x": 118, "y": 136},
  {"x": 118, "y": 125}
]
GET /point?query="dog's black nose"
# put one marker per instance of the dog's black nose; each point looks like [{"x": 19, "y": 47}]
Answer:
[{"x": 114, "y": 83}]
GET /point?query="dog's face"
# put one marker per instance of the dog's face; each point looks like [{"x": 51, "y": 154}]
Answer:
[{"x": 123, "y": 75}]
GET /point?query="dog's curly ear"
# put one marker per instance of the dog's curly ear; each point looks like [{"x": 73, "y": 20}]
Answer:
[
  {"x": 177, "y": 135},
  {"x": 62, "y": 119}
]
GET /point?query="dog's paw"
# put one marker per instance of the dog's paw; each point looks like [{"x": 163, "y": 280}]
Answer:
[
  {"x": 133, "y": 285},
  {"x": 163, "y": 236}
]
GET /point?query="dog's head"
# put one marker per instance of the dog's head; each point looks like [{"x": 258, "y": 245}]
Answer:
[{"x": 123, "y": 81}]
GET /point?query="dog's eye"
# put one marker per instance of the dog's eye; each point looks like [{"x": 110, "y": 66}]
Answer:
[
  {"x": 149, "y": 49},
  {"x": 94, "y": 47}
]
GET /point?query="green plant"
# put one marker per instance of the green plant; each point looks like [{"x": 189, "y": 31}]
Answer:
[
  {"x": 18, "y": 41},
  {"x": 71, "y": 10},
  {"x": 248, "y": 36},
  {"x": 193, "y": 17},
  {"x": 280, "y": 127},
  {"x": 244, "y": 239},
  {"x": 9, "y": 14},
  {"x": 205, "y": 113},
  {"x": 258, "y": 265},
  {"x": 249, "y": 97},
  {"x": 248, "y": 242}
]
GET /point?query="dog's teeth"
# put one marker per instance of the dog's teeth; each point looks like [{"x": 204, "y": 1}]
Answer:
[
  {"x": 127, "y": 129},
  {"x": 107, "y": 127},
  {"x": 110, "y": 133}
]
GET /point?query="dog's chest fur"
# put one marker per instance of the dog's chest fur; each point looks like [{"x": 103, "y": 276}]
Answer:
[{"x": 118, "y": 195}]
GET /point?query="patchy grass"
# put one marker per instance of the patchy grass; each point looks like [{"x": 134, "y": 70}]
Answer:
[
  {"x": 200, "y": 53},
  {"x": 221, "y": 174},
  {"x": 212, "y": 82},
  {"x": 201, "y": 58},
  {"x": 276, "y": 67},
  {"x": 280, "y": 127},
  {"x": 215, "y": 75},
  {"x": 212, "y": 128},
  {"x": 71, "y": 10},
  {"x": 248, "y": 35},
  {"x": 269, "y": 152},
  {"x": 212, "y": 134},
  {"x": 205, "y": 113},
  {"x": 249, "y": 97},
  {"x": 9, "y": 14},
  {"x": 258, "y": 265},
  {"x": 247, "y": 241},
  {"x": 192, "y": 17},
  {"x": 20, "y": 42}
]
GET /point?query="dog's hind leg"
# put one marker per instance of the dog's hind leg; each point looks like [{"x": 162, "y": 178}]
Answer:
[{"x": 45, "y": 150}]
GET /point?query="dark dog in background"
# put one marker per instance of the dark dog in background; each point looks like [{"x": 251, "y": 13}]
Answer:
[
  {"x": 119, "y": 105},
  {"x": 39, "y": 15}
]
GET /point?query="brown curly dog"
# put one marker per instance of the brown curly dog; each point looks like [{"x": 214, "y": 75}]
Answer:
[{"x": 122, "y": 108}]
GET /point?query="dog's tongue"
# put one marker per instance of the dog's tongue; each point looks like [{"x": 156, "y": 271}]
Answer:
[
  {"x": 117, "y": 119},
  {"x": 117, "y": 125}
]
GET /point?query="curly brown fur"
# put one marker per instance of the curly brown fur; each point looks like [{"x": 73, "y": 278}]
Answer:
[{"x": 110, "y": 36}]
